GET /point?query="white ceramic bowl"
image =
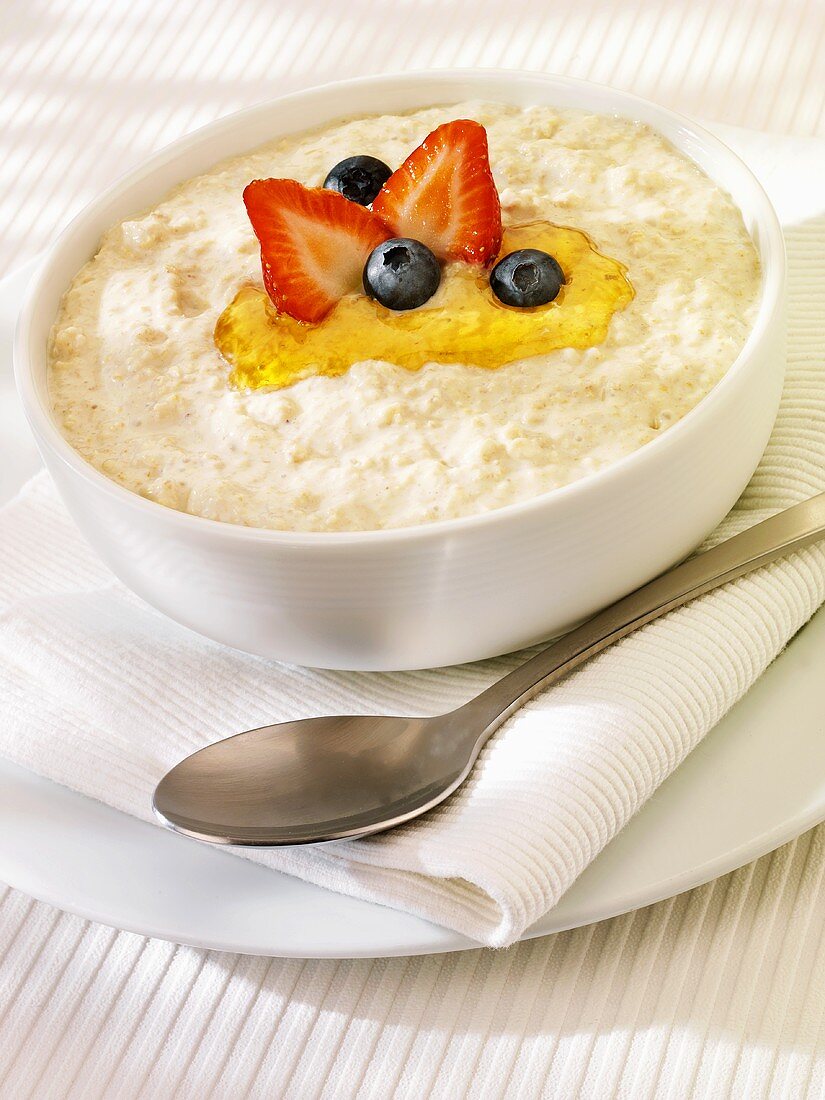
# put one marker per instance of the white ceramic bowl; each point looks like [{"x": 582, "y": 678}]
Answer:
[{"x": 446, "y": 592}]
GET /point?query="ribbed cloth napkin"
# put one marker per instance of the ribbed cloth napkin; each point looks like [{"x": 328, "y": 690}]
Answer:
[{"x": 102, "y": 693}]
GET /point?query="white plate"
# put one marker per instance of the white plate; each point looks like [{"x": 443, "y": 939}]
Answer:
[{"x": 755, "y": 782}]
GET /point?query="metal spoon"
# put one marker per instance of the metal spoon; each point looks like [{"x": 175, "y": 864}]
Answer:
[{"x": 322, "y": 779}]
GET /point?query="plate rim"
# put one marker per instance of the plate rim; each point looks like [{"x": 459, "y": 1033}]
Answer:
[{"x": 446, "y": 940}]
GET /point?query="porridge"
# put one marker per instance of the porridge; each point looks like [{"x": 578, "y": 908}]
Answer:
[{"x": 288, "y": 424}]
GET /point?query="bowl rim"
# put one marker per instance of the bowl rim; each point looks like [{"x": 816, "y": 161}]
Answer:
[{"x": 771, "y": 297}]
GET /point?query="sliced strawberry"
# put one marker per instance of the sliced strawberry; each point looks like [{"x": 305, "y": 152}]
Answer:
[
  {"x": 314, "y": 244},
  {"x": 444, "y": 195}
]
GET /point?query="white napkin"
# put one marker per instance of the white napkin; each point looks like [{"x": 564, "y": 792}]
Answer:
[{"x": 102, "y": 693}]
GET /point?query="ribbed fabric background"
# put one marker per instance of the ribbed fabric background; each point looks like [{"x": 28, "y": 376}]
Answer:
[{"x": 718, "y": 992}]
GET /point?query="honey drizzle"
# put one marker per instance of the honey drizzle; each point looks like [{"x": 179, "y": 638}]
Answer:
[{"x": 463, "y": 322}]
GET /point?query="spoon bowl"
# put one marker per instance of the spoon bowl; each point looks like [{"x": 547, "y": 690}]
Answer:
[{"x": 315, "y": 779}]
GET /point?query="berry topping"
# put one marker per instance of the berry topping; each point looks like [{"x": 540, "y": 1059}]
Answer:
[
  {"x": 526, "y": 278},
  {"x": 444, "y": 195},
  {"x": 358, "y": 179},
  {"x": 313, "y": 244},
  {"x": 401, "y": 273}
]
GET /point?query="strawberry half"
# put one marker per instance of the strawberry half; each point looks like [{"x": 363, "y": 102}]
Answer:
[
  {"x": 314, "y": 244},
  {"x": 444, "y": 195}
]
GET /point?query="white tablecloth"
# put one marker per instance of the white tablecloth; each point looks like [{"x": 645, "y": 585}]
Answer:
[{"x": 718, "y": 992}]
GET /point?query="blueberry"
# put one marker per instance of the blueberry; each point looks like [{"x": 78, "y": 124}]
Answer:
[
  {"x": 401, "y": 273},
  {"x": 526, "y": 278},
  {"x": 359, "y": 179}
]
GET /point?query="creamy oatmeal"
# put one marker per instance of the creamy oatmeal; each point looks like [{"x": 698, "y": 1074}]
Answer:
[{"x": 140, "y": 390}]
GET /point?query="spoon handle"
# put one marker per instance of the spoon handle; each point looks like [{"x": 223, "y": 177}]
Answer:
[{"x": 764, "y": 542}]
